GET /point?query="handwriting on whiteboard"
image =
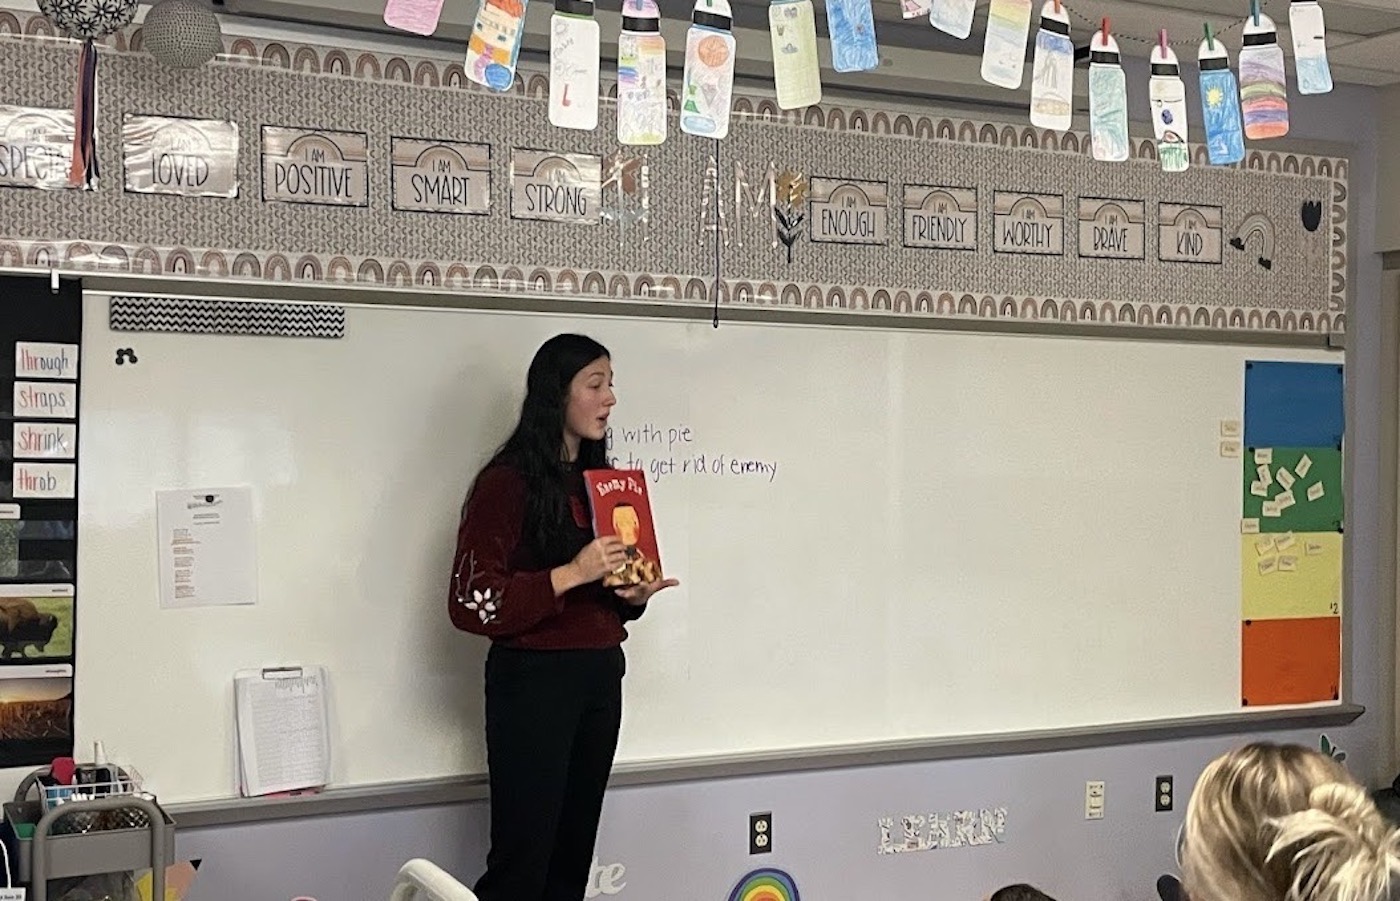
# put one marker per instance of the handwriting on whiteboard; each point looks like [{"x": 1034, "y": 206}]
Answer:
[{"x": 670, "y": 450}]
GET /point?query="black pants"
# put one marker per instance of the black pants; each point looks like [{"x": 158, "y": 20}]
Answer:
[{"x": 552, "y": 721}]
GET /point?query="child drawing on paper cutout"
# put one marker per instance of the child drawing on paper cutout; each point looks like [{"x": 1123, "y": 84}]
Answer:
[
  {"x": 492, "y": 48},
  {"x": 639, "y": 569},
  {"x": 1269, "y": 822}
]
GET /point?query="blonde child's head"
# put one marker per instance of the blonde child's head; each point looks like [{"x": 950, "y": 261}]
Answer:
[{"x": 1273, "y": 822}]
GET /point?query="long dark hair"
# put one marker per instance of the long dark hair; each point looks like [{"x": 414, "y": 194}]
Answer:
[{"x": 535, "y": 446}]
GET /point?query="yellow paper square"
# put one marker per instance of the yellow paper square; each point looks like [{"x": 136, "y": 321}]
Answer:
[{"x": 1313, "y": 588}]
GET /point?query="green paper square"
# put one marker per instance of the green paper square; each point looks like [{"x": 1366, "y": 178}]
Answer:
[{"x": 1321, "y": 515}]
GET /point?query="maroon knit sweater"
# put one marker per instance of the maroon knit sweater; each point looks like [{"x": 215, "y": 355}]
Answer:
[{"x": 501, "y": 587}]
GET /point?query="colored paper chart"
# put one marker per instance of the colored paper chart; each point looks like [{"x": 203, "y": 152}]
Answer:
[{"x": 1292, "y": 541}]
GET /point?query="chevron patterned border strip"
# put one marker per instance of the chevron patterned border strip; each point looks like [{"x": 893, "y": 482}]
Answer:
[{"x": 225, "y": 317}]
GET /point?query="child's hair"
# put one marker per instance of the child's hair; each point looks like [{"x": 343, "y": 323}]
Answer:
[
  {"x": 1274, "y": 822},
  {"x": 1019, "y": 892}
]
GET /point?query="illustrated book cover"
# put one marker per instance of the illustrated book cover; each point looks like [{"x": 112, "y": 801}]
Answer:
[{"x": 620, "y": 506}]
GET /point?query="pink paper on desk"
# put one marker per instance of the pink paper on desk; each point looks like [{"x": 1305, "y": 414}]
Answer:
[{"x": 417, "y": 16}]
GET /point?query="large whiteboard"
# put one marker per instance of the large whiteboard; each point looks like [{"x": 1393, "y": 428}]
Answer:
[{"x": 912, "y": 534}]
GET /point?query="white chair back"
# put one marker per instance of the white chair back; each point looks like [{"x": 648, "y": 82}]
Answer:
[{"x": 423, "y": 880}]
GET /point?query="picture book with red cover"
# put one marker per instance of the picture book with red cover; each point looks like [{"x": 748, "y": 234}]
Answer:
[{"x": 621, "y": 507}]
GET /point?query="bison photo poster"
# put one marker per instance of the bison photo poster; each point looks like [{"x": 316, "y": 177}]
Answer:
[{"x": 621, "y": 507}]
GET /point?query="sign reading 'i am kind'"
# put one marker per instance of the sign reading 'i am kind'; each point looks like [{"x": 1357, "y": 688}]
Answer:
[
  {"x": 319, "y": 167},
  {"x": 1189, "y": 234},
  {"x": 36, "y": 147},
  {"x": 189, "y": 157}
]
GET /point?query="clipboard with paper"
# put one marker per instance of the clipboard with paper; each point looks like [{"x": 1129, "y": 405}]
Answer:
[{"x": 282, "y": 721}]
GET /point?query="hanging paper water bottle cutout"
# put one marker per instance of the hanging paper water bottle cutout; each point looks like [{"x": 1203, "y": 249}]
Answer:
[
  {"x": 1108, "y": 99},
  {"x": 414, "y": 16},
  {"x": 641, "y": 75},
  {"x": 1220, "y": 103},
  {"x": 851, "y": 24},
  {"x": 953, "y": 17},
  {"x": 792, "y": 26},
  {"x": 495, "y": 43},
  {"x": 708, "y": 82},
  {"x": 1004, "y": 47},
  {"x": 914, "y": 9},
  {"x": 1263, "y": 82},
  {"x": 1167, "y": 94},
  {"x": 1309, "y": 28},
  {"x": 573, "y": 65},
  {"x": 1052, "y": 70}
]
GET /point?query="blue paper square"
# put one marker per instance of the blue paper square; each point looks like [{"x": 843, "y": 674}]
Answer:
[{"x": 1293, "y": 404}]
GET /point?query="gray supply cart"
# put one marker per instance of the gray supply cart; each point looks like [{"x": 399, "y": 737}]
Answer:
[{"x": 120, "y": 832}]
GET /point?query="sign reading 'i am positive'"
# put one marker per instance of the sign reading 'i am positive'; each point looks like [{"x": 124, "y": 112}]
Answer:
[{"x": 319, "y": 167}]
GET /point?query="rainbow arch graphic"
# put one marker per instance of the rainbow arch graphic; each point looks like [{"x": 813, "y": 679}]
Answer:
[{"x": 767, "y": 884}]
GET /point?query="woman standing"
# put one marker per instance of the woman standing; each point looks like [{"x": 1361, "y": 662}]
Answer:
[{"x": 527, "y": 574}]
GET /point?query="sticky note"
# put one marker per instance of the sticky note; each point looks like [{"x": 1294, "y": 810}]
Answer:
[
  {"x": 1286, "y": 541},
  {"x": 1285, "y": 478},
  {"x": 1314, "y": 548},
  {"x": 1264, "y": 545},
  {"x": 1264, "y": 475},
  {"x": 1229, "y": 448},
  {"x": 1284, "y": 501},
  {"x": 1249, "y": 527},
  {"x": 1268, "y": 565},
  {"x": 1314, "y": 491},
  {"x": 1270, "y": 509},
  {"x": 1287, "y": 564},
  {"x": 1263, "y": 455},
  {"x": 1229, "y": 428},
  {"x": 1258, "y": 489},
  {"x": 1304, "y": 464}
]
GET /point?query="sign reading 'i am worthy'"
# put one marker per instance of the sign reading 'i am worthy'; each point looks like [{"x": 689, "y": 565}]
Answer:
[
  {"x": 845, "y": 211},
  {"x": 556, "y": 187},
  {"x": 36, "y": 147},
  {"x": 1028, "y": 223},
  {"x": 319, "y": 167},
  {"x": 190, "y": 157},
  {"x": 441, "y": 177}
]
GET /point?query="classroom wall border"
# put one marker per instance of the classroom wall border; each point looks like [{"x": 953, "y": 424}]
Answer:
[
  {"x": 832, "y": 282},
  {"x": 350, "y": 295},
  {"x": 461, "y": 789}
]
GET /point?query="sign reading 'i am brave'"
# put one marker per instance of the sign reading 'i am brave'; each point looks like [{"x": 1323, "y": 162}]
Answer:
[
  {"x": 36, "y": 147},
  {"x": 189, "y": 157},
  {"x": 845, "y": 211},
  {"x": 330, "y": 168},
  {"x": 1111, "y": 229}
]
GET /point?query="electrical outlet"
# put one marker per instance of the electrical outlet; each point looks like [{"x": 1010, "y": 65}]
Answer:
[
  {"x": 1163, "y": 792},
  {"x": 1093, "y": 800},
  {"x": 760, "y": 833}
]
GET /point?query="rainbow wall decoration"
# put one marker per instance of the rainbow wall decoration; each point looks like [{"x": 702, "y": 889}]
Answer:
[
  {"x": 1291, "y": 541},
  {"x": 767, "y": 884}
]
